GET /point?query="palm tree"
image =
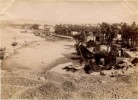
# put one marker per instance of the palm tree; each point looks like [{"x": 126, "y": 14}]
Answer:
[
  {"x": 125, "y": 30},
  {"x": 103, "y": 28},
  {"x": 134, "y": 34}
]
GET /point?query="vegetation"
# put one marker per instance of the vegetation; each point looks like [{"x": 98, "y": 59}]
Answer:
[
  {"x": 35, "y": 26},
  {"x": 129, "y": 33}
]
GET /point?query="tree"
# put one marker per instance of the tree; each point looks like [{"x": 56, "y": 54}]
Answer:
[
  {"x": 134, "y": 34},
  {"x": 35, "y": 26},
  {"x": 125, "y": 30}
]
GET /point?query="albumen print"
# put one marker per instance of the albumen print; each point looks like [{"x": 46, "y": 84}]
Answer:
[{"x": 69, "y": 49}]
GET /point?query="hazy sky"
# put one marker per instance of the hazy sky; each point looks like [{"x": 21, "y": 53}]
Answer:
[{"x": 79, "y": 12}]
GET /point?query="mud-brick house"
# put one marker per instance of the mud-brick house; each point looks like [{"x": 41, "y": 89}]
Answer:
[
  {"x": 98, "y": 37},
  {"x": 91, "y": 37},
  {"x": 74, "y": 33},
  {"x": 44, "y": 30},
  {"x": 49, "y": 29}
]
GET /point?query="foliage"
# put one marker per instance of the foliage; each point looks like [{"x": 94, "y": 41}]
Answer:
[
  {"x": 35, "y": 26},
  {"x": 106, "y": 30}
]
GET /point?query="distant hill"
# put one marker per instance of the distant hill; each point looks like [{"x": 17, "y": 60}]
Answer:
[
  {"x": 7, "y": 19},
  {"x": 22, "y": 21}
]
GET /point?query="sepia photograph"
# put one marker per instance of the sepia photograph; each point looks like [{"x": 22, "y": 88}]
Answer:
[{"x": 69, "y": 49}]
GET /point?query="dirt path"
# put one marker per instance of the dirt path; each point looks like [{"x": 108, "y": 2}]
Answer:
[{"x": 18, "y": 93}]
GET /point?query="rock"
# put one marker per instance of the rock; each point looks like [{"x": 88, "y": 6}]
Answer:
[
  {"x": 102, "y": 73},
  {"x": 41, "y": 78},
  {"x": 103, "y": 81}
]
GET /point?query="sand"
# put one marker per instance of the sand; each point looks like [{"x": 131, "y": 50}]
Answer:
[{"x": 33, "y": 70}]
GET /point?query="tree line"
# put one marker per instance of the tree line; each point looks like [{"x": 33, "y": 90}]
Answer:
[{"x": 128, "y": 32}]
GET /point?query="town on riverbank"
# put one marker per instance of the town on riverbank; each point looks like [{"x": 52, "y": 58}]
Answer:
[
  {"x": 68, "y": 49},
  {"x": 34, "y": 54}
]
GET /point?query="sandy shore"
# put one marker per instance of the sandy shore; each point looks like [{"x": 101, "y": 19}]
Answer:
[{"x": 29, "y": 72}]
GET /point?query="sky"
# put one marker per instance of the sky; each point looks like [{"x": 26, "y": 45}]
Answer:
[{"x": 69, "y": 11}]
